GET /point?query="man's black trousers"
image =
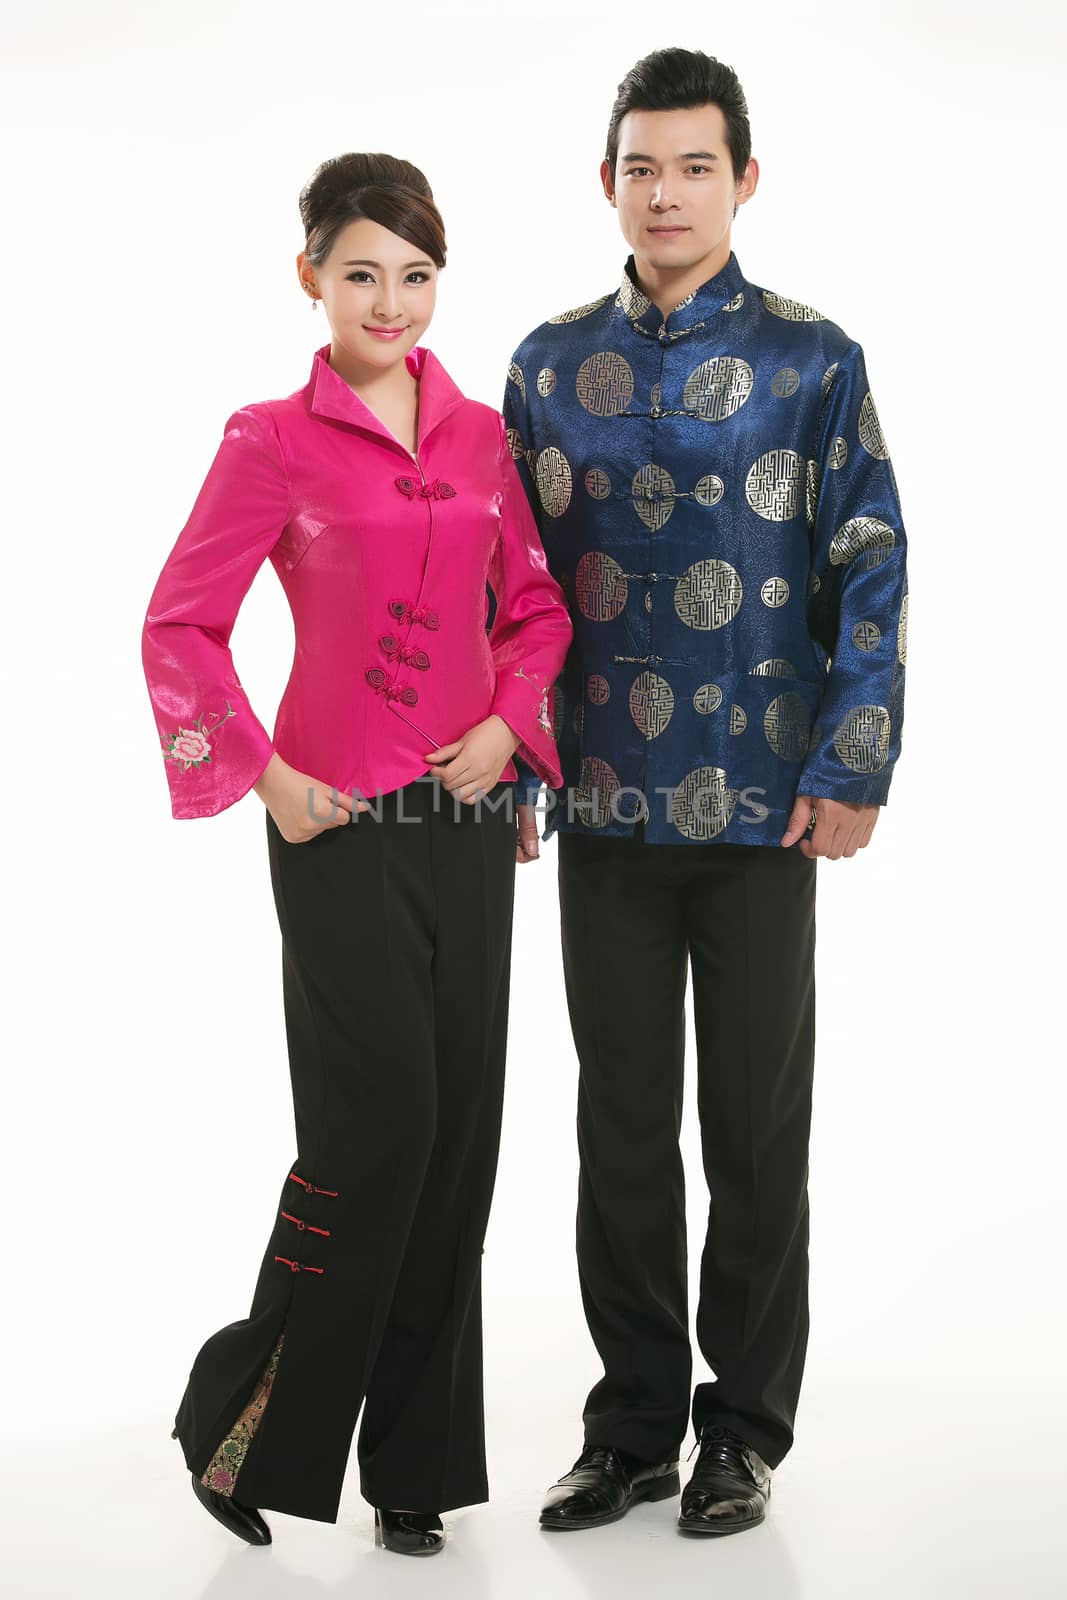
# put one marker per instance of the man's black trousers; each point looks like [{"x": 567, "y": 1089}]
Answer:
[
  {"x": 396, "y": 948},
  {"x": 634, "y": 917}
]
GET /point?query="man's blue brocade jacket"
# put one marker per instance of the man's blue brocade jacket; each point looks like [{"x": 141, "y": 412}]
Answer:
[{"x": 716, "y": 500}]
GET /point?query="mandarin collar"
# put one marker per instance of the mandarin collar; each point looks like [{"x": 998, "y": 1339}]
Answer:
[
  {"x": 332, "y": 397},
  {"x": 724, "y": 292}
]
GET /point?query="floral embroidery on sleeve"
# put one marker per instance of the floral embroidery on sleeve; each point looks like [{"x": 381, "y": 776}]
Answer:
[
  {"x": 189, "y": 747},
  {"x": 544, "y": 721}
]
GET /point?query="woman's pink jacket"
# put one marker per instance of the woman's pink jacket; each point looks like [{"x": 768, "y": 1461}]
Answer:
[{"x": 384, "y": 559}]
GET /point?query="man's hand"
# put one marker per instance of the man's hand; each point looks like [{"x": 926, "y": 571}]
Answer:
[
  {"x": 841, "y": 827},
  {"x": 301, "y": 806},
  {"x": 526, "y": 843},
  {"x": 473, "y": 764}
]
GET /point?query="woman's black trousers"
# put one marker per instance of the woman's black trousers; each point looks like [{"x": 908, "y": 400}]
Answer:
[{"x": 396, "y": 947}]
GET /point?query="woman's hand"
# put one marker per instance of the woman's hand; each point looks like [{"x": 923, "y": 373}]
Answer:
[
  {"x": 474, "y": 763},
  {"x": 301, "y": 806}
]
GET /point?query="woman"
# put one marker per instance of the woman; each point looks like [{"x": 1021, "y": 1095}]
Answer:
[{"x": 386, "y": 502}]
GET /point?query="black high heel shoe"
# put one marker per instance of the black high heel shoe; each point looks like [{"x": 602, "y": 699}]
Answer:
[
  {"x": 409, "y": 1533},
  {"x": 244, "y": 1521}
]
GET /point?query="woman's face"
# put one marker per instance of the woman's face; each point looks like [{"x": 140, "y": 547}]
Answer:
[{"x": 378, "y": 291}]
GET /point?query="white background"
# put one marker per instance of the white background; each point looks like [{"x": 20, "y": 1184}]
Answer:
[{"x": 911, "y": 189}]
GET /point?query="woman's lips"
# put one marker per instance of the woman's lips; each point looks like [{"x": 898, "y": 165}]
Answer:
[{"x": 384, "y": 333}]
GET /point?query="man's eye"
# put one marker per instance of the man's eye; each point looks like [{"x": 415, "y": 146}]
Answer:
[{"x": 635, "y": 171}]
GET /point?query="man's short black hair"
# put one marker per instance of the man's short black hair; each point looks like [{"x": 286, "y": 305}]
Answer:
[{"x": 673, "y": 80}]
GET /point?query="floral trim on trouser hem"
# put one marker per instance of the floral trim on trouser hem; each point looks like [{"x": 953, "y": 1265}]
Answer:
[{"x": 226, "y": 1463}]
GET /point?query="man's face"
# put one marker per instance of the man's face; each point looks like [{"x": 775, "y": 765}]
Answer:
[{"x": 674, "y": 187}]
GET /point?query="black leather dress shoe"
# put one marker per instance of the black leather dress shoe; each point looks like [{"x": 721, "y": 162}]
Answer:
[
  {"x": 409, "y": 1533},
  {"x": 244, "y": 1521},
  {"x": 730, "y": 1486},
  {"x": 602, "y": 1486}
]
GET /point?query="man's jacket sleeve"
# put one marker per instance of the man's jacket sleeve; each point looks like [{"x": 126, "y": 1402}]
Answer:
[
  {"x": 213, "y": 746},
  {"x": 516, "y": 425},
  {"x": 531, "y": 631},
  {"x": 857, "y": 599}
]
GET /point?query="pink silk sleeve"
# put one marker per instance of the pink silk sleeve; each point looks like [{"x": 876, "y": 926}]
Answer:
[{"x": 212, "y": 744}]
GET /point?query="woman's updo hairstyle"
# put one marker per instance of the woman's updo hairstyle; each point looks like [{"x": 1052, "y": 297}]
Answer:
[{"x": 382, "y": 188}]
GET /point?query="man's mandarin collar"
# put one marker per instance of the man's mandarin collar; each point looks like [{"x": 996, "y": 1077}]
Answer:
[
  {"x": 724, "y": 290},
  {"x": 332, "y": 397}
]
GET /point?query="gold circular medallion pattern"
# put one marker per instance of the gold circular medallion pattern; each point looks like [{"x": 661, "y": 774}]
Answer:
[
  {"x": 790, "y": 310},
  {"x": 861, "y": 738},
  {"x": 786, "y": 724},
  {"x": 902, "y": 633},
  {"x": 870, "y": 430},
  {"x": 866, "y": 635},
  {"x": 774, "y": 592},
  {"x": 709, "y": 490},
  {"x": 867, "y": 537},
  {"x": 605, "y": 383},
  {"x": 786, "y": 381},
  {"x": 651, "y": 704},
  {"x": 597, "y": 484},
  {"x": 702, "y": 804},
  {"x": 598, "y": 784},
  {"x": 708, "y": 595},
  {"x": 546, "y": 382},
  {"x": 772, "y": 487},
  {"x": 580, "y": 311},
  {"x": 707, "y": 699},
  {"x": 718, "y": 388},
  {"x": 554, "y": 480},
  {"x": 600, "y": 586},
  {"x": 653, "y": 492}
]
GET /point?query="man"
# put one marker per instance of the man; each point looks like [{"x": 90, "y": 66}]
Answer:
[{"x": 715, "y": 497}]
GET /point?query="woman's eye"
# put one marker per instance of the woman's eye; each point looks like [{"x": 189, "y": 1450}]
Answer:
[{"x": 359, "y": 276}]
